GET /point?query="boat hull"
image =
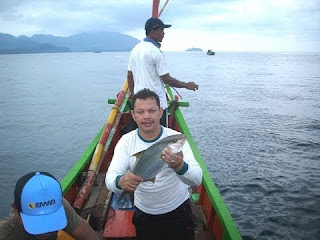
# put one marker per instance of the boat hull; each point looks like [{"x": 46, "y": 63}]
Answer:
[{"x": 213, "y": 219}]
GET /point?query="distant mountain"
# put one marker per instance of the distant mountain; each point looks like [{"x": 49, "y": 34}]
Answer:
[
  {"x": 83, "y": 42},
  {"x": 194, "y": 50},
  {"x": 10, "y": 45}
]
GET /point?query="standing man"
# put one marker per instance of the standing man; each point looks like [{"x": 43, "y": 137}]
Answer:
[
  {"x": 163, "y": 207},
  {"x": 40, "y": 211},
  {"x": 148, "y": 69}
]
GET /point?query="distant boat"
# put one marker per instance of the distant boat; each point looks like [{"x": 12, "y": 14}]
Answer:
[
  {"x": 96, "y": 51},
  {"x": 210, "y": 52}
]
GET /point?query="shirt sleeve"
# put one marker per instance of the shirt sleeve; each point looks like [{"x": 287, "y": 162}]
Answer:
[
  {"x": 73, "y": 218},
  {"x": 10, "y": 229},
  {"x": 130, "y": 63},
  {"x": 118, "y": 166},
  {"x": 193, "y": 176}
]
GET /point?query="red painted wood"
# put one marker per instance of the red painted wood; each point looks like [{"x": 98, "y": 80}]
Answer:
[
  {"x": 84, "y": 191},
  {"x": 155, "y": 8},
  {"x": 119, "y": 225},
  {"x": 213, "y": 222},
  {"x": 217, "y": 228}
]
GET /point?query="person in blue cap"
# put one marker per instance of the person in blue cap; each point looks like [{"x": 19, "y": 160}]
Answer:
[
  {"x": 40, "y": 211},
  {"x": 147, "y": 67}
]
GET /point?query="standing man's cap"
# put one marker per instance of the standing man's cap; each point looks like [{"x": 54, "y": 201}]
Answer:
[
  {"x": 38, "y": 198},
  {"x": 155, "y": 23}
]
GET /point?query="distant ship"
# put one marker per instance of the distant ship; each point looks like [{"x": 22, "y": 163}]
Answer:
[{"x": 210, "y": 52}]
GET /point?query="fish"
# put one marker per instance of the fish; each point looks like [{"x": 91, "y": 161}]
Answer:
[{"x": 149, "y": 162}]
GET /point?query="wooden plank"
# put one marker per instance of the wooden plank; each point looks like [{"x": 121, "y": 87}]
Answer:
[
  {"x": 198, "y": 217},
  {"x": 204, "y": 235},
  {"x": 96, "y": 207},
  {"x": 119, "y": 225},
  {"x": 95, "y": 191}
]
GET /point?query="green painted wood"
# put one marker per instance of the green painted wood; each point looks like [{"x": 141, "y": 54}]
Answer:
[
  {"x": 181, "y": 104},
  {"x": 77, "y": 168},
  {"x": 86, "y": 157},
  {"x": 230, "y": 232}
]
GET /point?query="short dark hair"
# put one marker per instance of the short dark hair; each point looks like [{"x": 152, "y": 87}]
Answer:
[{"x": 144, "y": 94}]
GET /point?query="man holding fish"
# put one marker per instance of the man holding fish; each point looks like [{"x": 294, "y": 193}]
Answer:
[{"x": 162, "y": 168}]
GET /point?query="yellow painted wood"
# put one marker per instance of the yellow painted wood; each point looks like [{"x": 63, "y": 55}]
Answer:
[
  {"x": 62, "y": 235},
  {"x": 114, "y": 110},
  {"x": 99, "y": 149},
  {"x": 96, "y": 157}
]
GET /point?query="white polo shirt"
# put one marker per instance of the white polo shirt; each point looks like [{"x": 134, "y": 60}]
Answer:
[
  {"x": 169, "y": 190},
  {"x": 147, "y": 64}
]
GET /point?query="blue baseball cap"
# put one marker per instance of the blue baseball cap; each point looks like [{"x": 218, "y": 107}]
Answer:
[{"x": 38, "y": 198}]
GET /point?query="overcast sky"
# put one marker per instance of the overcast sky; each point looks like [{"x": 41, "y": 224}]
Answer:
[{"x": 222, "y": 25}]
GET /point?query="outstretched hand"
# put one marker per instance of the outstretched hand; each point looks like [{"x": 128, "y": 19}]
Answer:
[{"x": 192, "y": 86}]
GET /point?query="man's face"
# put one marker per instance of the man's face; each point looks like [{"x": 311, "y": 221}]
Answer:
[
  {"x": 147, "y": 114},
  {"x": 47, "y": 236},
  {"x": 44, "y": 236},
  {"x": 158, "y": 34}
]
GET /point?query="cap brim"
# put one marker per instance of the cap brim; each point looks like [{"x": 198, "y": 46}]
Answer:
[
  {"x": 45, "y": 223},
  {"x": 167, "y": 25}
]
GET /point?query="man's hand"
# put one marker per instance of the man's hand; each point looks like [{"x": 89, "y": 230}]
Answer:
[
  {"x": 192, "y": 86},
  {"x": 129, "y": 182},
  {"x": 175, "y": 161}
]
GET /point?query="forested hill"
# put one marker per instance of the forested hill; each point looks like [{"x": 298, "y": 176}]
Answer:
[{"x": 83, "y": 42}]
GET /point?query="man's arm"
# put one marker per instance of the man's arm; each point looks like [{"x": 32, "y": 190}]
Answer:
[
  {"x": 130, "y": 83},
  {"x": 184, "y": 164},
  {"x": 167, "y": 79},
  {"x": 84, "y": 232},
  {"x": 77, "y": 227}
]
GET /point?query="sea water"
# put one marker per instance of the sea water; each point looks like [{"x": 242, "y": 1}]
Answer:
[{"x": 255, "y": 119}]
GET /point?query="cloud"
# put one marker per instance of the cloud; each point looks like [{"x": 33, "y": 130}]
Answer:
[
  {"x": 69, "y": 17},
  {"x": 240, "y": 24},
  {"x": 288, "y": 25}
]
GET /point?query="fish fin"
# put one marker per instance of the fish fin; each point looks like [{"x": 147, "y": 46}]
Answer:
[{"x": 138, "y": 156}]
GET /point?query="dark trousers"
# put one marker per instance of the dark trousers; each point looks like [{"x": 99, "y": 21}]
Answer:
[
  {"x": 174, "y": 225},
  {"x": 163, "y": 120}
]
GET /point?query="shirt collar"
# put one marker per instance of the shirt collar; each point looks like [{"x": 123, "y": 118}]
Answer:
[
  {"x": 150, "y": 141},
  {"x": 157, "y": 44}
]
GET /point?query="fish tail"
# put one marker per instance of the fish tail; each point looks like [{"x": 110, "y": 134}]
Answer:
[{"x": 126, "y": 200}]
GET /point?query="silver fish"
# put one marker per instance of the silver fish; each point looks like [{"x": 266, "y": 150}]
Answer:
[{"x": 149, "y": 162}]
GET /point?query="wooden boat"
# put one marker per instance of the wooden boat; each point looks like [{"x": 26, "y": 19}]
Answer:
[{"x": 84, "y": 185}]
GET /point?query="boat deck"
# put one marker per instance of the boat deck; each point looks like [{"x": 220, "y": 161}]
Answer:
[
  {"x": 113, "y": 223},
  {"x": 211, "y": 216}
]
